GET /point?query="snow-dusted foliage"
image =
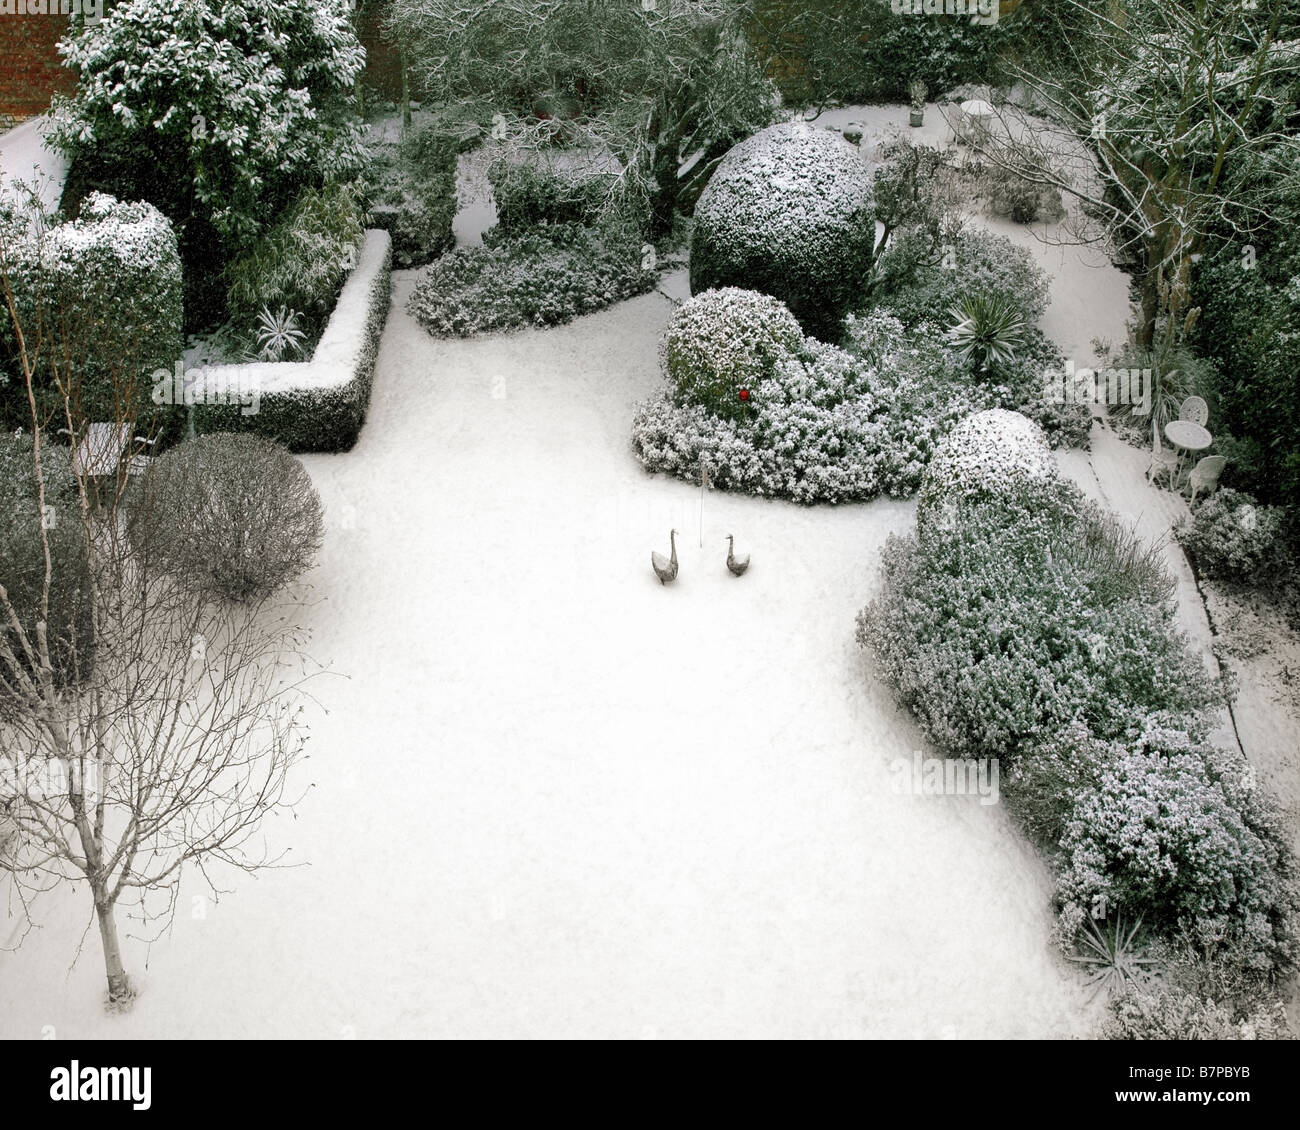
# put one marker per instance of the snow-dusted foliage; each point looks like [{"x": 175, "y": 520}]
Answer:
[
  {"x": 826, "y": 425},
  {"x": 721, "y": 345},
  {"x": 217, "y": 111},
  {"x": 110, "y": 280},
  {"x": 989, "y": 453},
  {"x": 980, "y": 262},
  {"x": 788, "y": 212},
  {"x": 1178, "y": 830}
]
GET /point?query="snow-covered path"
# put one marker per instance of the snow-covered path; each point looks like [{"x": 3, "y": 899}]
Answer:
[{"x": 553, "y": 798}]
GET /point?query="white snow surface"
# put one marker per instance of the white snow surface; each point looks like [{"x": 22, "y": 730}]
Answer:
[
  {"x": 554, "y": 798},
  {"x": 551, "y": 797}
]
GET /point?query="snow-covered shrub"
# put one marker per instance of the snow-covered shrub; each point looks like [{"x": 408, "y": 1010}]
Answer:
[
  {"x": 829, "y": 424},
  {"x": 1177, "y": 830},
  {"x": 998, "y": 640},
  {"x": 321, "y": 404},
  {"x": 300, "y": 262},
  {"x": 788, "y": 212},
  {"x": 1201, "y": 997},
  {"x": 1167, "y": 1013},
  {"x": 979, "y": 263},
  {"x": 236, "y": 516},
  {"x": 529, "y": 192},
  {"x": 725, "y": 342},
  {"x": 990, "y": 453},
  {"x": 217, "y": 113},
  {"x": 22, "y": 558},
  {"x": 106, "y": 287},
  {"x": 411, "y": 190},
  {"x": 544, "y": 276},
  {"x": 1231, "y": 535}
]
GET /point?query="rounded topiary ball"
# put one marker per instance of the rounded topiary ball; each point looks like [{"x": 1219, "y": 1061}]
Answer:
[
  {"x": 235, "y": 516},
  {"x": 789, "y": 212},
  {"x": 988, "y": 454},
  {"x": 720, "y": 345}
]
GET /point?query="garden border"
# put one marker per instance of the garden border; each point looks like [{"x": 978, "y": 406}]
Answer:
[{"x": 321, "y": 404}]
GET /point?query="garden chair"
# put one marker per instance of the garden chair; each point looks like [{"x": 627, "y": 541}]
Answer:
[
  {"x": 1205, "y": 475},
  {"x": 1161, "y": 456},
  {"x": 1195, "y": 409}
]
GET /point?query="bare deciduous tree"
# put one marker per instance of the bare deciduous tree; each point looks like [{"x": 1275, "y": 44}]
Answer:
[
  {"x": 1155, "y": 125},
  {"x": 161, "y": 739}
]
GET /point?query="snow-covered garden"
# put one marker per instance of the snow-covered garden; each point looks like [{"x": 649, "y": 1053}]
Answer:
[{"x": 340, "y": 693}]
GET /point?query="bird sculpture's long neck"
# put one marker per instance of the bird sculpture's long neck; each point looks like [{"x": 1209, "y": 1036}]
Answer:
[{"x": 672, "y": 537}]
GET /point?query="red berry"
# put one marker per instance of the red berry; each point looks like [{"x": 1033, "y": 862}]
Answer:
[{"x": 744, "y": 394}]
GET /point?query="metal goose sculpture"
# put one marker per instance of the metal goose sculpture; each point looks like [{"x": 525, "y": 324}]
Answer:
[
  {"x": 665, "y": 567},
  {"x": 737, "y": 567}
]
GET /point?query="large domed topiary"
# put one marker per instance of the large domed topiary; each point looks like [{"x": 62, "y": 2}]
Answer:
[
  {"x": 988, "y": 454},
  {"x": 720, "y": 345},
  {"x": 789, "y": 212}
]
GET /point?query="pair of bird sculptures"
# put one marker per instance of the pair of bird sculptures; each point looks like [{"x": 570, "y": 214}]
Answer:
[{"x": 666, "y": 567}]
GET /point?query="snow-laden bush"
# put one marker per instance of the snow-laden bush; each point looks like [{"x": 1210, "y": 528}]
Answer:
[
  {"x": 1231, "y": 535},
  {"x": 217, "y": 113},
  {"x": 411, "y": 191},
  {"x": 1177, "y": 830},
  {"x": 300, "y": 262},
  {"x": 235, "y": 515},
  {"x": 106, "y": 287},
  {"x": 990, "y": 453},
  {"x": 977, "y": 262},
  {"x": 788, "y": 212},
  {"x": 725, "y": 342},
  {"x": 830, "y": 425},
  {"x": 997, "y": 638},
  {"x": 532, "y": 191},
  {"x": 543, "y": 277},
  {"x": 827, "y": 424}
]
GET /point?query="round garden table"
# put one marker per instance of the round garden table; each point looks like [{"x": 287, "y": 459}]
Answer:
[{"x": 1188, "y": 437}]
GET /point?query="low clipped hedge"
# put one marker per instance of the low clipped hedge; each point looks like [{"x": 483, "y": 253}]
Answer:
[
  {"x": 316, "y": 405},
  {"x": 789, "y": 212}
]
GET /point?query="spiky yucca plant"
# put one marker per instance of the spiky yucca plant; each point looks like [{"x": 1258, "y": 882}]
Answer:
[
  {"x": 988, "y": 329},
  {"x": 278, "y": 333},
  {"x": 1113, "y": 954}
]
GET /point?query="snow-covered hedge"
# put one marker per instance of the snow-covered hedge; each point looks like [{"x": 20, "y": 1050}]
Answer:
[
  {"x": 111, "y": 281},
  {"x": 725, "y": 342},
  {"x": 788, "y": 212},
  {"x": 316, "y": 405},
  {"x": 991, "y": 453}
]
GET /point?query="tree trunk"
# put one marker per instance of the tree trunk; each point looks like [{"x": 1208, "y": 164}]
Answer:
[
  {"x": 119, "y": 985},
  {"x": 1146, "y": 330},
  {"x": 406, "y": 94}
]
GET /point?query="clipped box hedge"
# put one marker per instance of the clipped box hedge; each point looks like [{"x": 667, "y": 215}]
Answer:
[{"x": 316, "y": 405}]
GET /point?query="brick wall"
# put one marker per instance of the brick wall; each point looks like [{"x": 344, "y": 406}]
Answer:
[{"x": 30, "y": 70}]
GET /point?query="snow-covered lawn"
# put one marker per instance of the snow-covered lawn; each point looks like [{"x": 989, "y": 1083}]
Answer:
[{"x": 553, "y": 798}]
